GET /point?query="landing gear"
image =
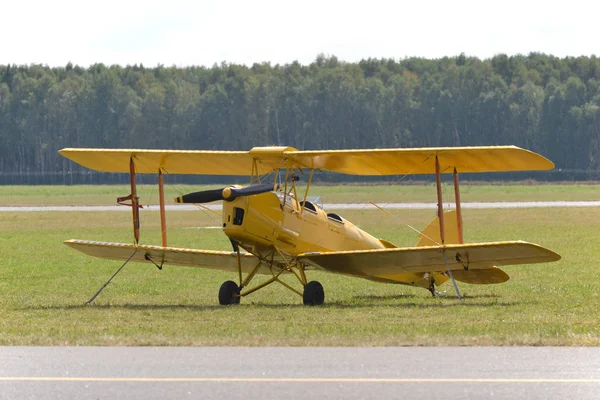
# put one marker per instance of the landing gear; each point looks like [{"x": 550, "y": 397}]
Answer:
[
  {"x": 226, "y": 293},
  {"x": 313, "y": 295},
  {"x": 276, "y": 263},
  {"x": 432, "y": 287}
]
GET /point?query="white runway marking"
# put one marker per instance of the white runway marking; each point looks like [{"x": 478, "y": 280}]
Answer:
[
  {"x": 295, "y": 380},
  {"x": 337, "y": 206}
]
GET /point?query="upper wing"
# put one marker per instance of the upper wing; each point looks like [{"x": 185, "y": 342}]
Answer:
[
  {"x": 180, "y": 161},
  {"x": 422, "y": 161},
  {"x": 222, "y": 260},
  {"x": 177, "y": 161},
  {"x": 353, "y": 162},
  {"x": 388, "y": 262}
]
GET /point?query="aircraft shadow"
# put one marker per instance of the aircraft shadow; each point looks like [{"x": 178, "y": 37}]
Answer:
[
  {"x": 376, "y": 297},
  {"x": 480, "y": 296},
  {"x": 365, "y": 302},
  {"x": 126, "y": 306}
]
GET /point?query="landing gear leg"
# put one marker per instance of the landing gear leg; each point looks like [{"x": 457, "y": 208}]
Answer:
[
  {"x": 229, "y": 293},
  {"x": 313, "y": 295},
  {"x": 432, "y": 286}
]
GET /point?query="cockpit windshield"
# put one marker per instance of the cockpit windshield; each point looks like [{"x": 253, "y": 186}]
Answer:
[
  {"x": 316, "y": 200},
  {"x": 311, "y": 201}
]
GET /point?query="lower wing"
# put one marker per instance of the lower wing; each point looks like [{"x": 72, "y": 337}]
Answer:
[
  {"x": 386, "y": 263},
  {"x": 222, "y": 260}
]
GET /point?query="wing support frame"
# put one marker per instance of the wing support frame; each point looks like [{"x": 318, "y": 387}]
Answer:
[
  {"x": 148, "y": 258},
  {"x": 277, "y": 268},
  {"x": 459, "y": 223},
  {"x": 310, "y": 177},
  {"x": 438, "y": 184},
  {"x": 135, "y": 201},
  {"x": 163, "y": 218},
  {"x": 254, "y": 172}
]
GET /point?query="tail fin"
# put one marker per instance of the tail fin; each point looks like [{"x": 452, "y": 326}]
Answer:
[{"x": 430, "y": 236}]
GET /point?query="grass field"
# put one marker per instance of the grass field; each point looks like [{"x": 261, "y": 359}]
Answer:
[
  {"x": 44, "y": 284},
  {"x": 401, "y": 192}
]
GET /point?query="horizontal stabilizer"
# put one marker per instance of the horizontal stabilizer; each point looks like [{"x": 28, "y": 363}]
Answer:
[
  {"x": 222, "y": 260},
  {"x": 481, "y": 276},
  {"x": 389, "y": 262}
]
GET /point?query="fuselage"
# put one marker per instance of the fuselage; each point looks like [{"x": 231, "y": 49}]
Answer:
[
  {"x": 266, "y": 220},
  {"x": 260, "y": 222}
]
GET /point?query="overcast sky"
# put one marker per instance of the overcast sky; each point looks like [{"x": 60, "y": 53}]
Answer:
[{"x": 183, "y": 33}]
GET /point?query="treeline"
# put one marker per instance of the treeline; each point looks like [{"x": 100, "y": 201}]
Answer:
[{"x": 543, "y": 103}]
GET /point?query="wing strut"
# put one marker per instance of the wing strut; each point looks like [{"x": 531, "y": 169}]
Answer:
[
  {"x": 135, "y": 202},
  {"x": 438, "y": 184},
  {"x": 163, "y": 218},
  {"x": 459, "y": 224},
  {"x": 307, "y": 187}
]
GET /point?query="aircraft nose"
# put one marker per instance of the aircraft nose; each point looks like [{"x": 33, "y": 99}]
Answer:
[{"x": 226, "y": 193}]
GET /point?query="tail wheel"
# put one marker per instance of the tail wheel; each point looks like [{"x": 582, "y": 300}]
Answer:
[
  {"x": 313, "y": 295},
  {"x": 226, "y": 293}
]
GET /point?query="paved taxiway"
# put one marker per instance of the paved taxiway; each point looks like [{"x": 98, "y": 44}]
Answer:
[
  {"x": 333, "y": 206},
  {"x": 297, "y": 372}
]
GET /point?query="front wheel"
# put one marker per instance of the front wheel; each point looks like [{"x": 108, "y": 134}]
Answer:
[
  {"x": 313, "y": 295},
  {"x": 226, "y": 293}
]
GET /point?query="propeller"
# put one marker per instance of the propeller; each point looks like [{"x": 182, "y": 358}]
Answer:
[{"x": 229, "y": 193}]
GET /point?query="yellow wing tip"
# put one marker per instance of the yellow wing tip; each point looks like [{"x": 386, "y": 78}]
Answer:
[
  {"x": 555, "y": 256},
  {"x": 545, "y": 164},
  {"x": 551, "y": 255}
]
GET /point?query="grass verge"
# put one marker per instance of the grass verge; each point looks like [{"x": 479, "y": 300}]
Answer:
[
  {"x": 106, "y": 195},
  {"x": 44, "y": 286}
]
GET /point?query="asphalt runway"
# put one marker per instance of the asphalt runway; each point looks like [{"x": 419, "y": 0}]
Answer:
[{"x": 299, "y": 373}]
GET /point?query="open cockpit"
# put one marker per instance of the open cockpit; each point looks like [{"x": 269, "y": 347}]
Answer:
[{"x": 312, "y": 204}]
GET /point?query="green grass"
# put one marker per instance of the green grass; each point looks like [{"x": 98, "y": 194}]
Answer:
[
  {"x": 44, "y": 285},
  {"x": 401, "y": 192}
]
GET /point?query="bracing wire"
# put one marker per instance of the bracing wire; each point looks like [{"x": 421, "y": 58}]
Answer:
[
  {"x": 408, "y": 225},
  {"x": 111, "y": 278},
  {"x": 452, "y": 277},
  {"x": 181, "y": 189},
  {"x": 395, "y": 217}
]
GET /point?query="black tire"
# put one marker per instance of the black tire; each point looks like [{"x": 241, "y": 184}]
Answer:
[
  {"x": 313, "y": 295},
  {"x": 226, "y": 292}
]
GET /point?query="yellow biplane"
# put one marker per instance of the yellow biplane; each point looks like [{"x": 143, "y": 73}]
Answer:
[{"x": 275, "y": 230}]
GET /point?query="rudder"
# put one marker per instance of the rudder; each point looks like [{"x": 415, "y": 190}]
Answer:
[{"x": 430, "y": 236}]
